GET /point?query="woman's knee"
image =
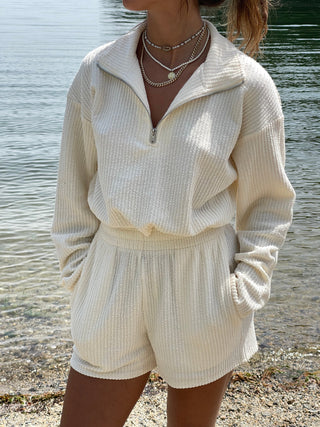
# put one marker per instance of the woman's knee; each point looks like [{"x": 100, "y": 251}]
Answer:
[
  {"x": 196, "y": 406},
  {"x": 99, "y": 402}
]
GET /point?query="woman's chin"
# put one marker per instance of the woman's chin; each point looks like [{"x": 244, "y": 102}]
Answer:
[{"x": 137, "y": 5}]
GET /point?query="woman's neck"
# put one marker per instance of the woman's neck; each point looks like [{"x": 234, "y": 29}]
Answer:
[{"x": 172, "y": 26}]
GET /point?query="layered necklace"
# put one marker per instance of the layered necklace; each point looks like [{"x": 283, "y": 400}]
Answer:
[{"x": 175, "y": 72}]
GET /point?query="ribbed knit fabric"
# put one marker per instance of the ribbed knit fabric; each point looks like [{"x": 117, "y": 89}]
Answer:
[
  {"x": 217, "y": 152},
  {"x": 159, "y": 301}
]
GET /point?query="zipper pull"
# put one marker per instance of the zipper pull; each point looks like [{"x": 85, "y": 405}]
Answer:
[{"x": 153, "y": 136}]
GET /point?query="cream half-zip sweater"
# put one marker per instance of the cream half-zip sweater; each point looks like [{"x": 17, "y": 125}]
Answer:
[{"x": 217, "y": 153}]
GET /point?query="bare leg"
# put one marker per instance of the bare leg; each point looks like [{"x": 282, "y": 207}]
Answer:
[
  {"x": 196, "y": 406},
  {"x": 98, "y": 402}
]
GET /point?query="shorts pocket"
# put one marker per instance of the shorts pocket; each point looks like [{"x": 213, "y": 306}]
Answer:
[
  {"x": 233, "y": 291},
  {"x": 228, "y": 248},
  {"x": 83, "y": 268}
]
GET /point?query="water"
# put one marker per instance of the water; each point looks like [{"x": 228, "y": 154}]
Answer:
[{"x": 42, "y": 44}]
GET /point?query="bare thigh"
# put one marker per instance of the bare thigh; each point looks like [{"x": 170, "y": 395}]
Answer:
[
  {"x": 196, "y": 406},
  {"x": 99, "y": 402}
]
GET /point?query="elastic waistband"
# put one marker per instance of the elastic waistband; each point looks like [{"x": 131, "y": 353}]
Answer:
[{"x": 135, "y": 239}]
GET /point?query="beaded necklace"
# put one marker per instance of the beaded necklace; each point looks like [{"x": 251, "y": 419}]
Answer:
[{"x": 168, "y": 48}]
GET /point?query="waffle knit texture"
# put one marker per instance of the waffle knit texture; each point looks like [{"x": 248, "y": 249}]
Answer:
[{"x": 218, "y": 152}]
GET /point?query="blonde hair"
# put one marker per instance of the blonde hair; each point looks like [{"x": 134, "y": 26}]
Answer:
[{"x": 247, "y": 19}]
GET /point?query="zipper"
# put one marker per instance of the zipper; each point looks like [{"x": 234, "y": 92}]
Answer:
[
  {"x": 153, "y": 135},
  {"x": 154, "y": 130}
]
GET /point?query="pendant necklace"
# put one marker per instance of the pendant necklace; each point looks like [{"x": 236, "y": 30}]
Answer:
[
  {"x": 173, "y": 76},
  {"x": 172, "y": 73}
]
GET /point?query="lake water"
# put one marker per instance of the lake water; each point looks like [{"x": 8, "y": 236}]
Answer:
[{"x": 42, "y": 44}]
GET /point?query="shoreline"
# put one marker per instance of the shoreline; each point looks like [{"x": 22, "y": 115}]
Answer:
[{"x": 259, "y": 394}]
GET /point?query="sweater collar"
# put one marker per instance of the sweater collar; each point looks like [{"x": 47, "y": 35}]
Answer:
[{"x": 221, "y": 70}]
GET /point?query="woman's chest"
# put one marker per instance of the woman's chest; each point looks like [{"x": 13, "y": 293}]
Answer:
[
  {"x": 160, "y": 98},
  {"x": 206, "y": 125},
  {"x": 189, "y": 148}
]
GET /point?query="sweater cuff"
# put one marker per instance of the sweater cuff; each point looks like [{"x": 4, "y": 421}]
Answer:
[
  {"x": 242, "y": 306},
  {"x": 70, "y": 275}
]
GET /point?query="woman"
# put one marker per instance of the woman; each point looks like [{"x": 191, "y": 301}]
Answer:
[{"x": 169, "y": 131}]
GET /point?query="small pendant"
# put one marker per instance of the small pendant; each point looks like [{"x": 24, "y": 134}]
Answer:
[
  {"x": 166, "y": 48},
  {"x": 171, "y": 75}
]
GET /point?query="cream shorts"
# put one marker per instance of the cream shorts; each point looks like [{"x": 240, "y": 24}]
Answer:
[{"x": 161, "y": 301}]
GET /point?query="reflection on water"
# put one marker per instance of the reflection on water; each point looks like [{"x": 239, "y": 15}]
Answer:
[{"x": 43, "y": 44}]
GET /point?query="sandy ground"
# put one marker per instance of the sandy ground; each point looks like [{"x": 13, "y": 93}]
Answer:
[{"x": 258, "y": 395}]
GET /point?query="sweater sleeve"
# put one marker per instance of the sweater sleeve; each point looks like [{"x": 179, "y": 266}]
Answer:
[
  {"x": 74, "y": 224},
  {"x": 264, "y": 206}
]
